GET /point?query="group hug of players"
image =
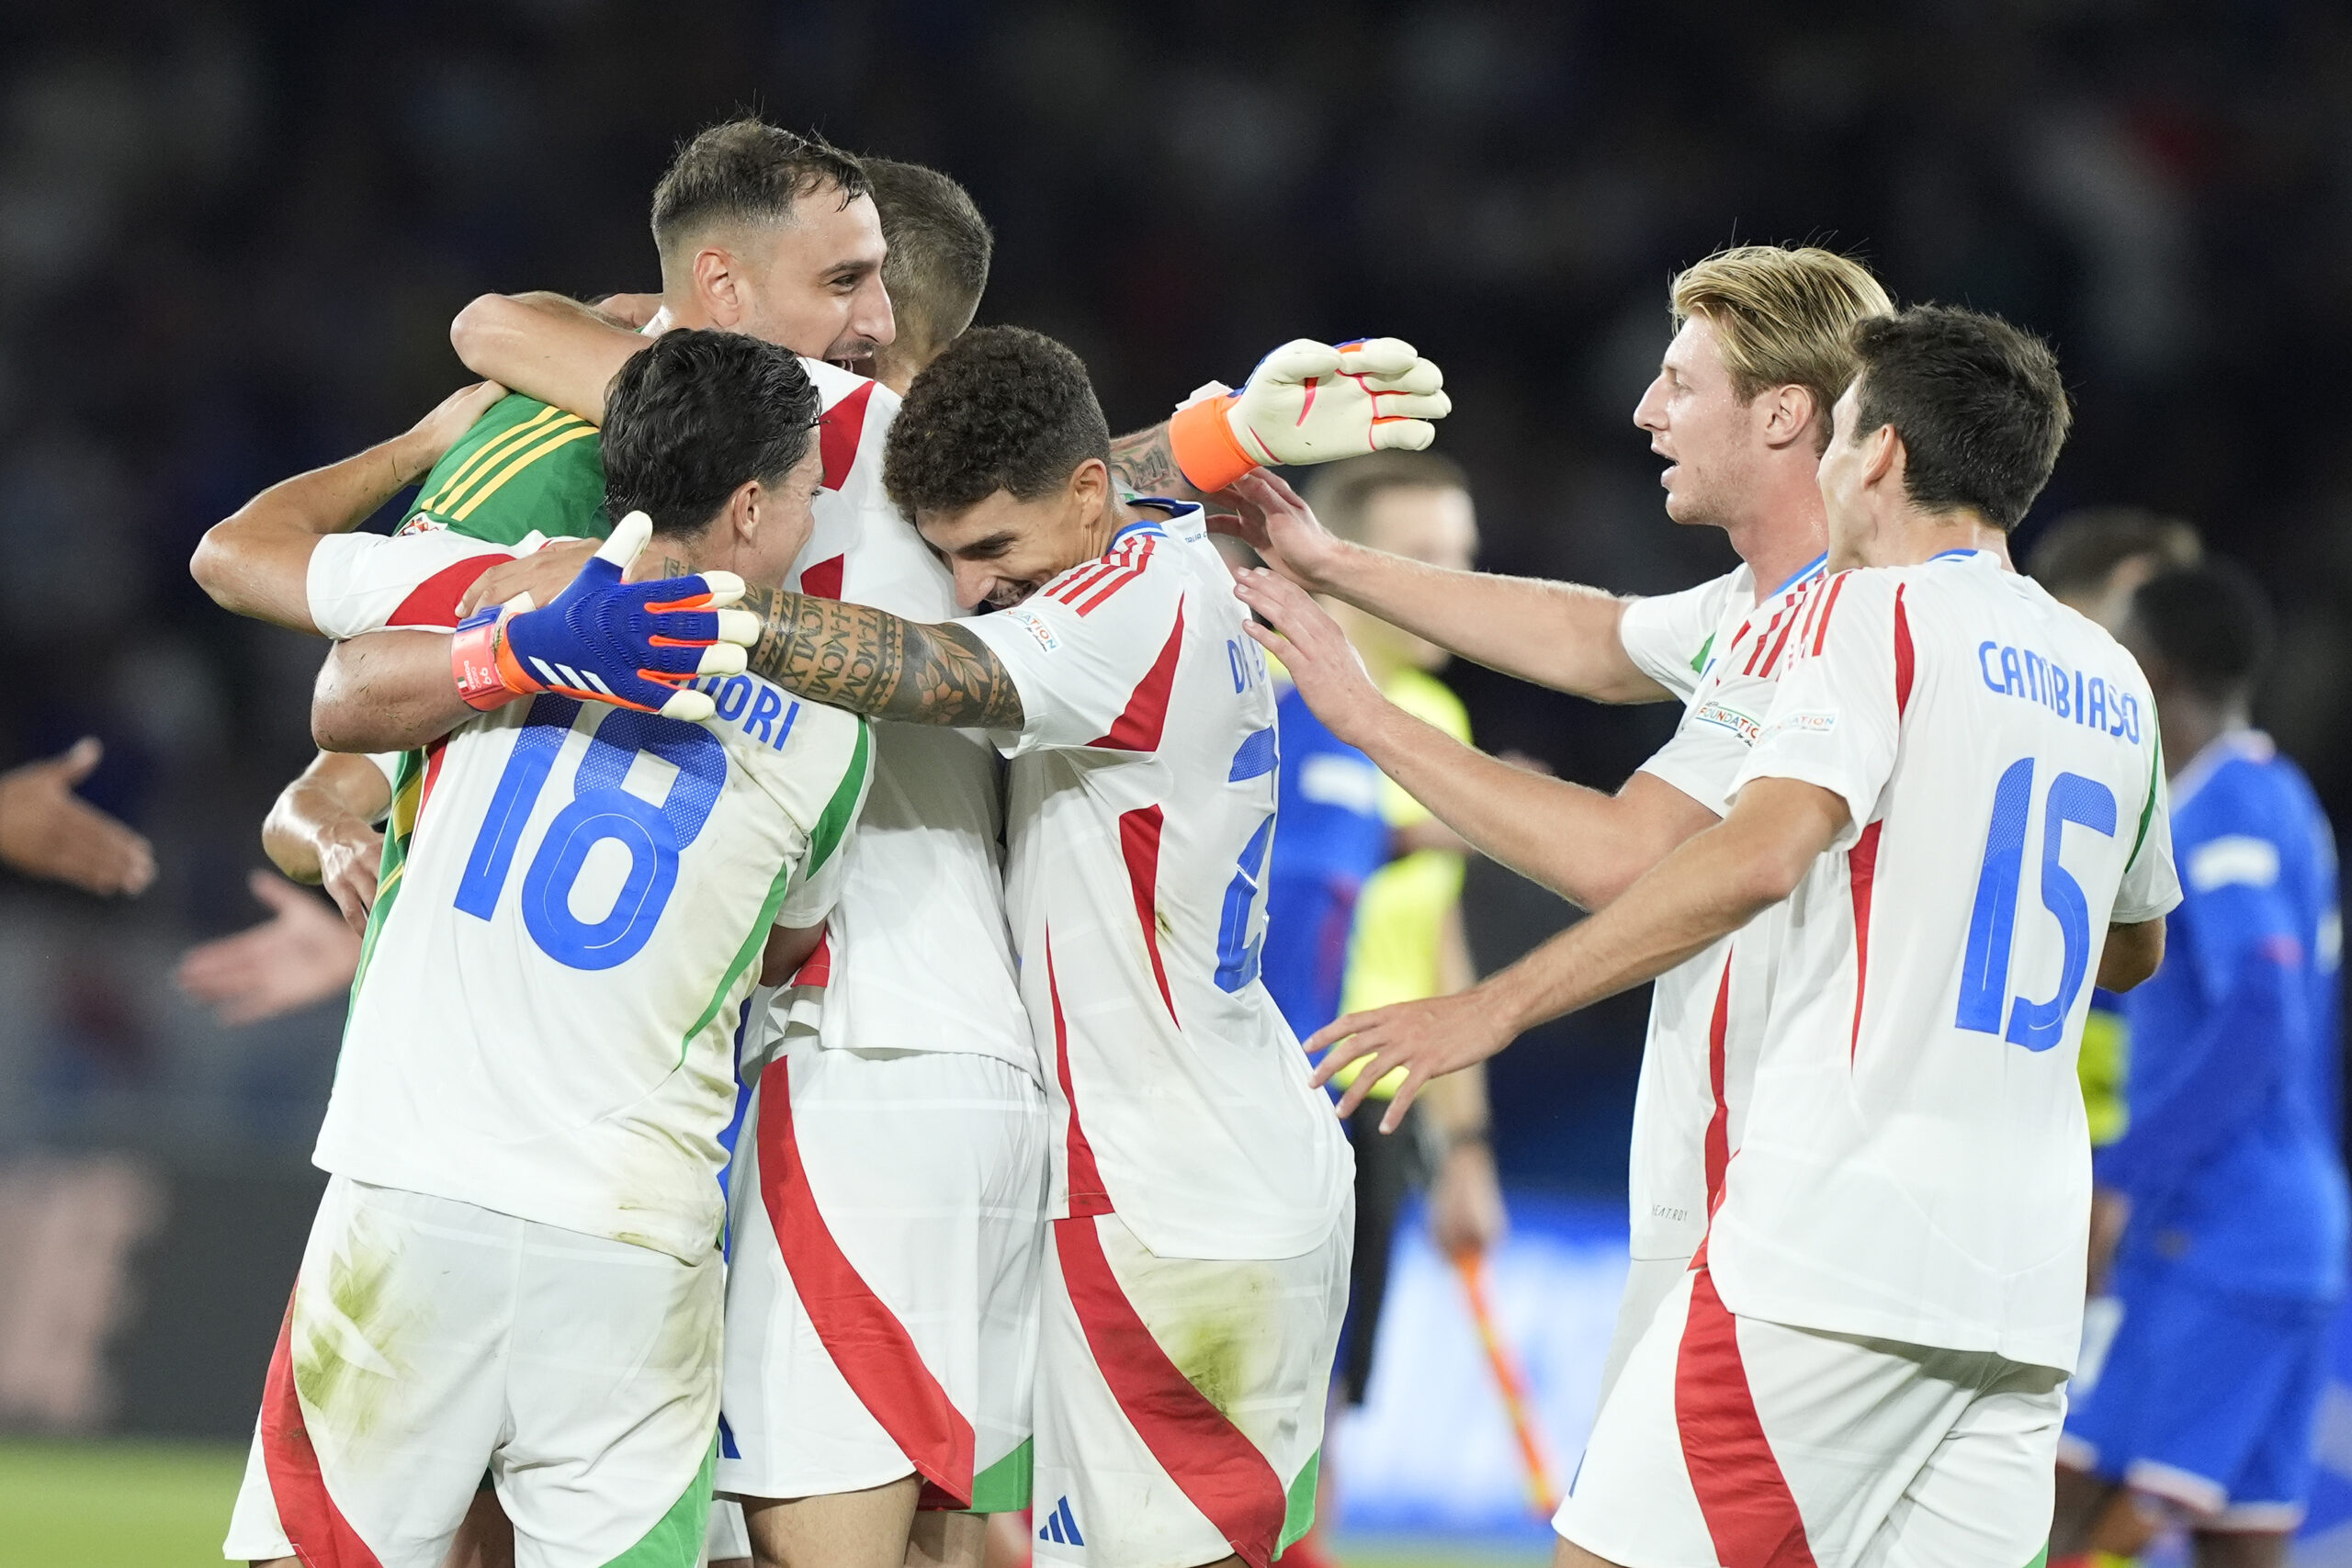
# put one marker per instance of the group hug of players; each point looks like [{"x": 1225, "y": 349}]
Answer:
[{"x": 826, "y": 822}]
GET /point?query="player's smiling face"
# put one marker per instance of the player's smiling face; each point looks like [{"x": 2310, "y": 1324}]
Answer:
[
  {"x": 1698, "y": 425},
  {"x": 814, "y": 285},
  {"x": 1003, "y": 548}
]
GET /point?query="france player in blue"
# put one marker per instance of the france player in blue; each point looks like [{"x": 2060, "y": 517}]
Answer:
[
  {"x": 1331, "y": 840},
  {"x": 2232, "y": 1266}
]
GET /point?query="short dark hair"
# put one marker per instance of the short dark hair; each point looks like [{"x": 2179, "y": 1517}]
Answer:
[
  {"x": 747, "y": 171},
  {"x": 1977, "y": 402},
  {"x": 2080, "y": 551},
  {"x": 1341, "y": 494},
  {"x": 2211, "y": 622},
  {"x": 940, "y": 245},
  {"x": 1003, "y": 409},
  {"x": 693, "y": 418}
]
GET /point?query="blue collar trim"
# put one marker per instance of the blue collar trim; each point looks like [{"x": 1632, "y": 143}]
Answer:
[{"x": 1802, "y": 573}]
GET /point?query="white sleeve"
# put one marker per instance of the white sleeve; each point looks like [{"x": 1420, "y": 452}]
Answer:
[
  {"x": 365, "y": 582},
  {"x": 2151, "y": 884},
  {"x": 818, "y": 887},
  {"x": 1834, "y": 722},
  {"x": 1090, "y": 653},
  {"x": 1714, "y": 739},
  {"x": 1669, "y": 635}
]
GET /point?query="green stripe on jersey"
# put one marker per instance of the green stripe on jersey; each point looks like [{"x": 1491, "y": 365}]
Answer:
[
  {"x": 676, "y": 1538},
  {"x": 2148, "y": 812},
  {"x": 827, "y": 836}
]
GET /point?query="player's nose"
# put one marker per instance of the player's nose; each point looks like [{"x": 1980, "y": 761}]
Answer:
[
  {"x": 871, "y": 314},
  {"x": 1650, "y": 412},
  {"x": 973, "y": 583}
]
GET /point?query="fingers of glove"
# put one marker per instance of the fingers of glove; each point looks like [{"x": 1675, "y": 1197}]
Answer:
[
  {"x": 1411, "y": 405},
  {"x": 723, "y": 659},
  {"x": 690, "y": 705},
  {"x": 740, "y": 626},
  {"x": 1402, "y": 435},
  {"x": 627, "y": 539},
  {"x": 1420, "y": 376},
  {"x": 681, "y": 629},
  {"x": 1379, "y": 356},
  {"x": 709, "y": 591},
  {"x": 1296, "y": 361}
]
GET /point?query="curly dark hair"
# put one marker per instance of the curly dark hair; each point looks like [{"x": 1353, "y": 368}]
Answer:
[
  {"x": 1978, "y": 402},
  {"x": 1003, "y": 409},
  {"x": 693, "y": 418}
]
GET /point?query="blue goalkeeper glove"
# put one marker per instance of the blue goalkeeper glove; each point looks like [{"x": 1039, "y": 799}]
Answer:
[{"x": 634, "y": 645}]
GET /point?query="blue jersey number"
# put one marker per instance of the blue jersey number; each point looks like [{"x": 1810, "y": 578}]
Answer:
[
  {"x": 600, "y": 809},
  {"x": 1992, "y": 925}
]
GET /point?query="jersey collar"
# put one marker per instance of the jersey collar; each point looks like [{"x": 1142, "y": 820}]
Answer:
[
  {"x": 1185, "y": 519},
  {"x": 1808, "y": 570}
]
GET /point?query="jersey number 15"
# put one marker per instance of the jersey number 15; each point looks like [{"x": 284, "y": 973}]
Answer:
[{"x": 1992, "y": 925}]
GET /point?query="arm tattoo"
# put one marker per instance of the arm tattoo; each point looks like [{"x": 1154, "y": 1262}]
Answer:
[
  {"x": 1146, "y": 465},
  {"x": 854, "y": 657}
]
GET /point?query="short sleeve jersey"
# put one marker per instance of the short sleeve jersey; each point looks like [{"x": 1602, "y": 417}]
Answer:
[
  {"x": 544, "y": 1019},
  {"x": 921, "y": 960},
  {"x": 1706, "y": 1013},
  {"x": 1914, "y": 1163},
  {"x": 1141, "y": 814}
]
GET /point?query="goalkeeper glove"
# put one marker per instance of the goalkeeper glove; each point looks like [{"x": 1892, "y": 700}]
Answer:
[
  {"x": 1310, "y": 402},
  {"x": 634, "y": 645}
]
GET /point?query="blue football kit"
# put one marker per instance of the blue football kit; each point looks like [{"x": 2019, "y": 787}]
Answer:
[
  {"x": 1331, "y": 840},
  {"x": 2232, "y": 1264}
]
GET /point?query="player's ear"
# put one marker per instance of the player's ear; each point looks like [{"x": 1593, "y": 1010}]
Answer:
[
  {"x": 1788, "y": 414},
  {"x": 1089, "y": 488},
  {"x": 1885, "y": 460},
  {"x": 744, "y": 514},
  {"x": 720, "y": 287}
]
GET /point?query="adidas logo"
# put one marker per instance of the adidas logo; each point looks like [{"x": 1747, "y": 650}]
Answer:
[{"x": 1061, "y": 1526}]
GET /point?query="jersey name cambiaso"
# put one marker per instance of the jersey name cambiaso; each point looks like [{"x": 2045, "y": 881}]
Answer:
[
  {"x": 544, "y": 1019},
  {"x": 1720, "y": 649},
  {"x": 1142, "y": 811},
  {"x": 1914, "y": 1163},
  {"x": 921, "y": 958}
]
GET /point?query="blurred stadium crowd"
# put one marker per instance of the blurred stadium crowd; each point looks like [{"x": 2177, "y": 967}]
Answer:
[{"x": 231, "y": 238}]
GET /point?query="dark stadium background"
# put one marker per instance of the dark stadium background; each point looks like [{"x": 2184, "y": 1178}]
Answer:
[{"x": 231, "y": 238}]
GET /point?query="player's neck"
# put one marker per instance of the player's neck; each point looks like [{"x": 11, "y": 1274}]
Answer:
[
  {"x": 1908, "y": 538},
  {"x": 1783, "y": 540}
]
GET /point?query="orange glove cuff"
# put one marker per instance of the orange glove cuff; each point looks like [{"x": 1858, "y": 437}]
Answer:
[{"x": 1205, "y": 446}]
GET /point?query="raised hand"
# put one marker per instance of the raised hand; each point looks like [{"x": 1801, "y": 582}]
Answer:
[
  {"x": 634, "y": 645},
  {"x": 1428, "y": 1039},
  {"x": 541, "y": 577},
  {"x": 47, "y": 830},
  {"x": 1312, "y": 403},
  {"x": 301, "y": 954}
]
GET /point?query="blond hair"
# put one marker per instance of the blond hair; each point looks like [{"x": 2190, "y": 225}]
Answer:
[{"x": 1783, "y": 316}]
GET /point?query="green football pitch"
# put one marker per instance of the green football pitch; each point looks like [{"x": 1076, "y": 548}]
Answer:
[{"x": 165, "y": 1505}]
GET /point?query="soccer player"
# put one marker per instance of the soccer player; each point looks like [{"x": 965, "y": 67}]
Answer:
[
  {"x": 515, "y": 1264},
  {"x": 1740, "y": 409},
  {"x": 1200, "y": 1189},
  {"x": 1959, "y": 791},
  {"x": 2095, "y": 559},
  {"x": 937, "y": 267},
  {"x": 2231, "y": 1268}
]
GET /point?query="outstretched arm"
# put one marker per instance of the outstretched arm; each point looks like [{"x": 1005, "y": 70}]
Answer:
[
  {"x": 546, "y": 346},
  {"x": 1584, "y": 845},
  {"x": 256, "y": 562},
  {"x": 870, "y": 662},
  {"x": 1706, "y": 890},
  {"x": 1559, "y": 635}
]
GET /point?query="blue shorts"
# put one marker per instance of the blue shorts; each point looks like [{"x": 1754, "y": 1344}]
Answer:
[{"x": 2208, "y": 1398}]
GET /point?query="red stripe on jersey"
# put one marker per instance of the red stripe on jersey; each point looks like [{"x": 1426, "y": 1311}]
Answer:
[
  {"x": 1719, "y": 1124},
  {"x": 875, "y": 1355},
  {"x": 823, "y": 581},
  {"x": 1145, "y": 714},
  {"x": 433, "y": 602},
  {"x": 1134, "y": 568},
  {"x": 1828, "y": 608},
  {"x": 1139, "y": 845},
  {"x": 840, "y": 431},
  {"x": 1787, "y": 624},
  {"x": 1903, "y": 655},
  {"x": 1756, "y": 654},
  {"x": 1862, "y": 873},
  {"x": 1088, "y": 1196},
  {"x": 1751, "y": 1515},
  {"x": 1217, "y": 1468},
  {"x": 321, "y": 1536},
  {"x": 1080, "y": 578},
  {"x": 817, "y": 969}
]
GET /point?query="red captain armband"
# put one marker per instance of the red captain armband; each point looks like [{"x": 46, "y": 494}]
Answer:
[
  {"x": 1204, "y": 447},
  {"x": 480, "y": 664}
]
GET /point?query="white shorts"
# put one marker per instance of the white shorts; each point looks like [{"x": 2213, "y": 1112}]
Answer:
[
  {"x": 429, "y": 1340},
  {"x": 729, "y": 1538},
  {"x": 1735, "y": 1441},
  {"x": 887, "y": 1228},
  {"x": 1648, "y": 1281},
  {"x": 1179, "y": 1401}
]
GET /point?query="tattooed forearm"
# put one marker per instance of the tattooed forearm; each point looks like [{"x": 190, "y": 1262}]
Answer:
[
  {"x": 849, "y": 655},
  {"x": 1146, "y": 465}
]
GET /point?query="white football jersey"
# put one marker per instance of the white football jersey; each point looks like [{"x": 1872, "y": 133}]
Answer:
[
  {"x": 1142, "y": 812},
  {"x": 1720, "y": 649},
  {"x": 544, "y": 1019},
  {"x": 921, "y": 959},
  {"x": 1914, "y": 1163}
]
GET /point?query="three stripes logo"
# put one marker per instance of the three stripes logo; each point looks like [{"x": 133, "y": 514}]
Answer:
[{"x": 1061, "y": 1526}]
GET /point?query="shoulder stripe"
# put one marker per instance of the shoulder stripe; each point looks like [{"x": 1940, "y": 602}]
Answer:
[
  {"x": 833, "y": 822},
  {"x": 1828, "y": 608},
  {"x": 1904, "y": 659},
  {"x": 488, "y": 452},
  {"x": 580, "y": 431},
  {"x": 2148, "y": 811},
  {"x": 1126, "y": 573}
]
